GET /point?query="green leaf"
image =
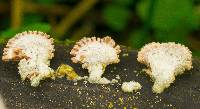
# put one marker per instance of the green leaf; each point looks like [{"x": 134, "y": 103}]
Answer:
[
  {"x": 171, "y": 20},
  {"x": 32, "y": 18},
  {"x": 138, "y": 39},
  {"x": 169, "y": 14},
  {"x": 196, "y": 12},
  {"x": 44, "y": 27},
  {"x": 142, "y": 9},
  {"x": 6, "y": 34},
  {"x": 178, "y": 36},
  {"x": 46, "y": 2},
  {"x": 68, "y": 42},
  {"x": 196, "y": 53},
  {"x": 124, "y": 2},
  {"x": 116, "y": 17}
]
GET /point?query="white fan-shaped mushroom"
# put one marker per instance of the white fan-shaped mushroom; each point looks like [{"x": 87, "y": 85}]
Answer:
[
  {"x": 95, "y": 54},
  {"x": 34, "y": 50},
  {"x": 164, "y": 62}
]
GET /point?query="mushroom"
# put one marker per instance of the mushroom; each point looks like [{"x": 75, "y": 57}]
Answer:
[
  {"x": 33, "y": 50},
  {"x": 164, "y": 62},
  {"x": 95, "y": 54}
]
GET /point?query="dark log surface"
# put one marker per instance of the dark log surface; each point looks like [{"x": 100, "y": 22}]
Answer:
[{"x": 61, "y": 93}]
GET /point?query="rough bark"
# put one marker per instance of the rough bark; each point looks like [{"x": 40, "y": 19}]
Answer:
[{"x": 62, "y": 93}]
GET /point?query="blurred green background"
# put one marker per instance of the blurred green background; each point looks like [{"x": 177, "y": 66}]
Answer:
[{"x": 130, "y": 22}]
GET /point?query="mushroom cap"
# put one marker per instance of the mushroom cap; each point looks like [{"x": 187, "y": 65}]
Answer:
[
  {"x": 178, "y": 52},
  {"x": 29, "y": 44},
  {"x": 95, "y": 50},
  {"x": 164, "y": 62}
]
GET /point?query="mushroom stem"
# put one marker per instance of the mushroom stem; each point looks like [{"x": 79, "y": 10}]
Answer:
[
  {"x": 161, "y": 84},
  {"x": 95, "y": 72},
  {"x": 162, "y": 79}
]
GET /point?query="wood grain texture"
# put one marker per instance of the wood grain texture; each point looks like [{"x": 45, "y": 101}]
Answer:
[{"x": 61, "y": 93}]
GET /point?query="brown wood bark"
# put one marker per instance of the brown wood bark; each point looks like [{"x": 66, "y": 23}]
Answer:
[{"x": 62, "y": 93}]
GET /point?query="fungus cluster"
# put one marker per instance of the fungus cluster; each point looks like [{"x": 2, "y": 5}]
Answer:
[{"x": 34, "y": 50}]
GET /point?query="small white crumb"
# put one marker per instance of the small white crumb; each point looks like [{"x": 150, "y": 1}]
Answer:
[
  {"x": 85, "y": 82},
  {"x": 130, "y": 86},
  {"x": 103, "y": 81},
  {"x": 114, "y": 81},
  {"x": 125, "y": 54},
  {"x": 135, "y": 71},
  {"x": 117, "y": 77},
  {"x": 125, "y": 69},
  {"x": 82, "y": 78},
  {"x": 75, "y": 83}
]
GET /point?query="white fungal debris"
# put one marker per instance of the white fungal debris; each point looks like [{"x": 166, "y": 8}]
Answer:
[
  {"x": 95, "y": 54},
  {"x": 33, "y": 50},
  {"x": 164, "y": 62},
  {"x": 118, "y": 77},
  {"x": 114, "y": 81},
  {"x": 131, "y": 86}
]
